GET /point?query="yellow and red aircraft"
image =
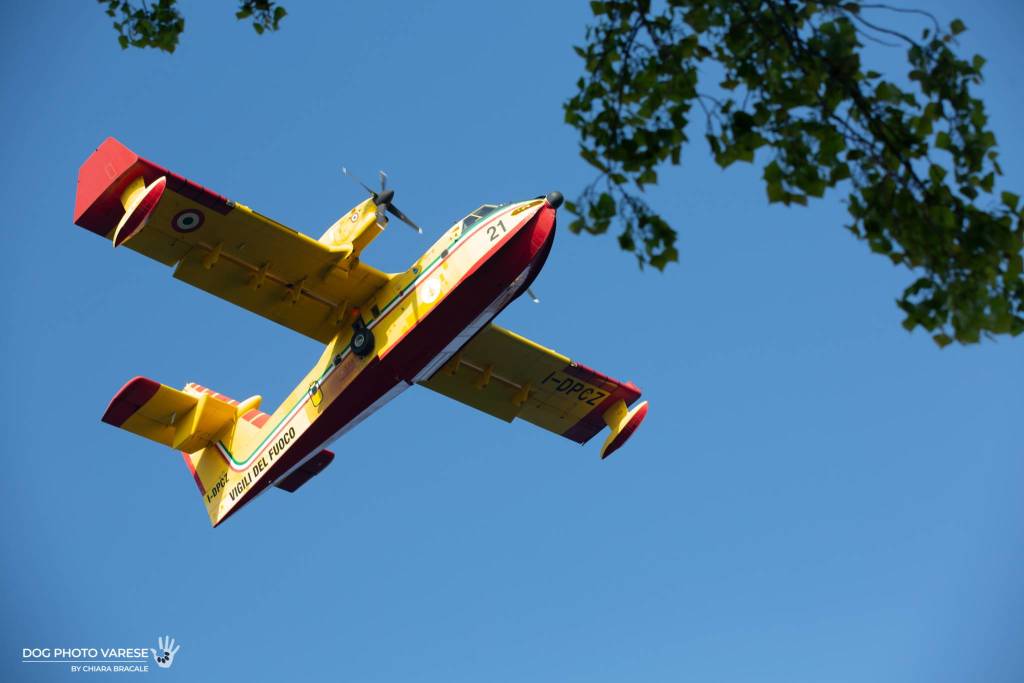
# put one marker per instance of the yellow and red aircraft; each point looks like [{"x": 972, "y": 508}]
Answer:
[{"x": 430, "y": 325}]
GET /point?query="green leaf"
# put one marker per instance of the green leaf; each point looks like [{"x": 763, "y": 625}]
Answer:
[
  {"x": 648, "y": 177},
  {"x": 1010, "y": 200},
  {"x": 887, "y": 92},
  {"x": 956, "y": 27},
  {"x": 936, "y": 174},
  {"x": 626, "y": 242},
  {"x": 1014, "y": 268},
  {"x": 815, "y": 187},
  {"x": 987, "y": 182}
]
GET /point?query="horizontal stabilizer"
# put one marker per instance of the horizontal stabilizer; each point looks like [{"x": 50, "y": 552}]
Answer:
[{"x": 179, "y": 419}]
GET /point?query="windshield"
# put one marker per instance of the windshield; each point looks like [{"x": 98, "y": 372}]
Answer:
[{"x": 477, "y": 215}]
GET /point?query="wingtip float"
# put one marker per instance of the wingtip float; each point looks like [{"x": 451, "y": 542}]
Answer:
[{"x": 430, "y": 325}]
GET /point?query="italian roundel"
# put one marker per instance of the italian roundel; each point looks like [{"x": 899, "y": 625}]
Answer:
[{"x": 187, "y": 221}]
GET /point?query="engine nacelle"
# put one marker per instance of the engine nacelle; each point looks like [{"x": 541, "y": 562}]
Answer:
[{"x": 352, "y": 232}]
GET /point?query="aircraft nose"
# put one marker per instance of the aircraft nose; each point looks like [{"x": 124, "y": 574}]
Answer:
[{"x": 554, "y": 199}]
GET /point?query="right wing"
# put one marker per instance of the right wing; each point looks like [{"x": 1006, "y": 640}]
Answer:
[
  {"x": 224, "y": 247},
  {"x": 508, "y": 376}
]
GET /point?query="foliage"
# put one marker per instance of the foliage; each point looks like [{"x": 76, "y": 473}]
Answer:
[
  {"x": 159, "y": 24},
  {"x": 917, "y": 160}
]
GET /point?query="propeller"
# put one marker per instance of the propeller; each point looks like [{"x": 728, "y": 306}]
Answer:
[{"x": 384, "y": 198}]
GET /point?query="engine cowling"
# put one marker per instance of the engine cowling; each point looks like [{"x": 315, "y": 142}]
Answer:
[{"x": 351, "y": 233}]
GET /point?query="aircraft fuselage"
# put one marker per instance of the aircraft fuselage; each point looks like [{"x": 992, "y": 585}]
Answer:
[{"x": 418, "y": 322}]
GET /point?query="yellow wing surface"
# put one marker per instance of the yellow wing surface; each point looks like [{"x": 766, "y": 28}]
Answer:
[
  {"x": 187, "y": 420},
  {"x": 509, "y": 376},
  {"x": 224, "y": 247}
]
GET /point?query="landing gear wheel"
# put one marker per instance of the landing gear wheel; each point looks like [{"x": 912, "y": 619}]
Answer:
[{"x": 362, "y": 342}]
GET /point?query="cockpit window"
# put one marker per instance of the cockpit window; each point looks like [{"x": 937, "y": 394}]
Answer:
[{"x": 478, "y": 214}]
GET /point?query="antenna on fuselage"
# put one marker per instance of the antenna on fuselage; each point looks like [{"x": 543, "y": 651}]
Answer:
[{"x": 384, "y": 198}]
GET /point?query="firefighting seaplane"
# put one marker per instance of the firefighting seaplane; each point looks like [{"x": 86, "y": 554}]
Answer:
[{"x": 430, "y": 325}]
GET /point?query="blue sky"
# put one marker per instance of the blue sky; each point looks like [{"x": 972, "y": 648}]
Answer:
[{"x": 816, "y": 495}]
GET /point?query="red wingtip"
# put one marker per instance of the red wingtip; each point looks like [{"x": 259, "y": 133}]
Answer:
[
  {"x": 132, "y": 396},
  {"x": 101, "y": 180}
]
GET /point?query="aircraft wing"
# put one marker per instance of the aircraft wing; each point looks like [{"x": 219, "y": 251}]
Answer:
[
  {"x": 509, "y": 376},
  {"x": 224, "y": 247}
]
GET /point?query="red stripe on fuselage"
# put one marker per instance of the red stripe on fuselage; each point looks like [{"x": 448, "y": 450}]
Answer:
[{"x": 195, "y": 475}]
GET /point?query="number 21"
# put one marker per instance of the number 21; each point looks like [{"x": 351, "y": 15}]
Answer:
[{"x": 492, "y": 230}]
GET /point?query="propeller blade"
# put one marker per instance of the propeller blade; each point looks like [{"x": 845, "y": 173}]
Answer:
[
  {"x": 361, "y": 183},
  {"x": 383, "y": 198},
  {"x": 396, "y": 212},
  {"x": 532, "y": 296}
]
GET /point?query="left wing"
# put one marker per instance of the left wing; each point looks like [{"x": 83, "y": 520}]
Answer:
[
  {"x": 221, "y": 246},
  {"x": 509, "y": 376}
]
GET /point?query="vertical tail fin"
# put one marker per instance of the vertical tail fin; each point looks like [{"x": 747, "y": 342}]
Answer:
[{"x": 216, "y": 468}]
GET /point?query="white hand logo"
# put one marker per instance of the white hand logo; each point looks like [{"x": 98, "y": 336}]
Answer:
[{"x": 165, "y": 655}]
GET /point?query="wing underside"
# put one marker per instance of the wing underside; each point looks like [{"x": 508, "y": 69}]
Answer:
[
  {"x": 508, "y": 376},
  {"x": 226, "y": 248}
]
